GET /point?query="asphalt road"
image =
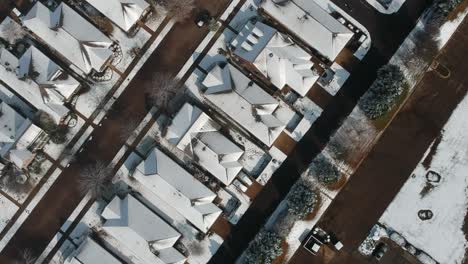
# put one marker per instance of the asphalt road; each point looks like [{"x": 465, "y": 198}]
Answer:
[{"x": 377, "y": 181}]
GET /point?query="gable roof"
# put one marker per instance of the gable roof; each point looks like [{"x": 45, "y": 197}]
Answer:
[
  {"x": 312, "y": 24},
  {"x": 174, "y": 185},
  {"x": 16, "y": 134},
  {"x": 53, "y": 81},
  {"x": 124, "y": 13},
  {"x": 70, "y": 35},
  {"x": 31, "y": 91},
  {"x": 195, "y": 132},
  {"x": 245, "y": 102},
  {"x": 139, "y": 229},
  {"x": 90, "y": 251},
  {"x": 37, "y": 79},
  {"x": 276, "y": 56}
]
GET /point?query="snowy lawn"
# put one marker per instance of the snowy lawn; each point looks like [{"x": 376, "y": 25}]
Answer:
[
  {"x": 442, "y": 236},
  {"x": 7, "y": 211},
  {"x": 55, "y": 150},
  {"x": 21, "y": 192},
  {"x": 130, "y": 46},
  {"x": 88, "y": 102},
  {"x": 449, "y": 28}
]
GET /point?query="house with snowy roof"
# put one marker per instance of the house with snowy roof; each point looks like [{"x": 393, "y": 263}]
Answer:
[
  {"x": 67, "y": 33},
  {"x": 310, "y": 23},
  {"x": 198, "y": 135},
  {"x": 140, "y": 232},
  {"x": 276, "y": 56},
  {"x": 242, "y": 100},
  {"x": 18, "y": 137},
  {"x": 174, "y": 186},
  {"x": 123, "y": 13},
  {"x": 37, "y": 79},
  {"x": 89, "y": 252}
]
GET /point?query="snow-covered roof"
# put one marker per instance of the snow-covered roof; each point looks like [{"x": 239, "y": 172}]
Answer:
[
  {"x": 124, "y": 13},
  {"x": 37, "y": 79},
  {"x": 312, "y": 24},
  {"x": 141, "y": 231},
  {"x": 13, "y": 127},
  {"x": 90, "y": 252},
  {"x": 244, "y": 101},
  {"x": 70, "y": 35},
  {"x": 53, "y": 81},
  {"x": 46, "y": 100},
  {"x": 276, "y": 56},
  {"x": 168, "y": 180},
  {"x": 196, "y": 133}
]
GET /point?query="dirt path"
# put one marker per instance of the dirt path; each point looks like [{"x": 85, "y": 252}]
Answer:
[
  {"x": 63, "y": 197},
  {"x": 390, "y": 163}
]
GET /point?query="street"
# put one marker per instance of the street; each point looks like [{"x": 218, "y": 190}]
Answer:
[{"x": 392, "y": 160}]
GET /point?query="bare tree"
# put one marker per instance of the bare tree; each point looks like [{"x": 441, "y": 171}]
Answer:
[
  {"x": 162, "y": 88},
  {"x": 94, "y": 178},
  {"x": 195, "y": 248},
  {"x": 26, "y": 256},
  {"x": 284, "y": 223},
  {"x": 180, "y": 10},
  {"x": 13, "y": 32},
  {"x": 127, "y": 129}
]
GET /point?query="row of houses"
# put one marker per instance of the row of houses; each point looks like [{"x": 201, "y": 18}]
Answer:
[
  {"x": 49, "y": 66},
  {"x": 162, "y": 189}
]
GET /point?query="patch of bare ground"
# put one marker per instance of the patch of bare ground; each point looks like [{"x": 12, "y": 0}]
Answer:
[
  {"x": 284, "y": 247},
  {"x": 460, "y": 8},
  {"x": 314, "y": 212}
]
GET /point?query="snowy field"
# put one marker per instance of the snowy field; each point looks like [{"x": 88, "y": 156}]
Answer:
[{"x": 442, "y": 236}]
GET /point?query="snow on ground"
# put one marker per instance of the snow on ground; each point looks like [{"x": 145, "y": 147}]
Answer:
[
  {"x": 301, "y": 228},
  {"x": 254, "y": 158},
  {"x": 130, "y": 46},
  {"x": 21, "y": 193},
  {"x": 415, "y": 66},
  {"x": 340, "y": 77},
  {"x": 7, "y": 210},
  {"x": 55, "y": 150},
  {"x": 367, "y": 247},
  {"x": 442, "y": 236},
  {"x": 88, "y": 102},
  {"x": 20, "y": 220},
  {"x": 154, "y": 20},
  {"x": 354, "y": 137},
  {"x": 447, "y": 29}
]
